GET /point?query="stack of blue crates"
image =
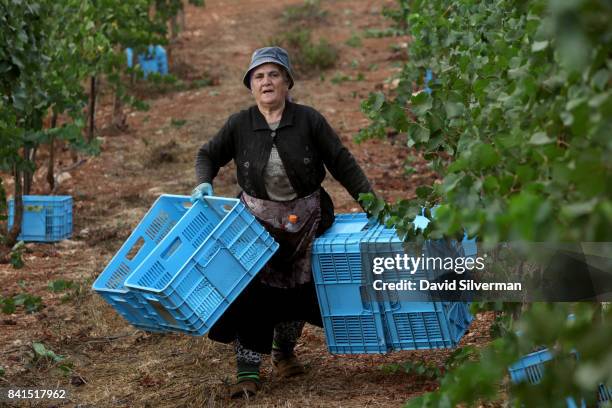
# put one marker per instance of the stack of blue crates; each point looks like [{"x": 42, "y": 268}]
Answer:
[
  {"x": 152, "y": 229},
  {"x": 201, "y": 267},
  {"x": 45, "y": 218},
  {"x": 184, "y": 264},
  {"x": 530, "y": 368},
  {"x": 356, "y": 320},
  {"x": 155, "y": 60}
]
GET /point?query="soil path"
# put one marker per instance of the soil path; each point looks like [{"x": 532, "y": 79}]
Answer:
[{"x": 108, "y": 363}]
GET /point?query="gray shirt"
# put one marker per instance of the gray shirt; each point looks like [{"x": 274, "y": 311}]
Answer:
[{"x": 276, "y": 180}]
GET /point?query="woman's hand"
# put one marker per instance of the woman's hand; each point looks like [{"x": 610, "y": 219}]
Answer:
[{"x": 198, "y": 193}]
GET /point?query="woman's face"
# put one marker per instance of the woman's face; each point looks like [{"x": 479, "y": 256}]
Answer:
[{"x": 269, "y": 85}]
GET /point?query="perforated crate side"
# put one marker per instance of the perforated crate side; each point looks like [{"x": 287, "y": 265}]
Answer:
[
  {"x": 45, "y": 218},
  {"x": 205, "y": 288},
  {"x": 426, "y": 325},
  {"x": 212, "y": 254},
  {"x": 353, "y": 323},
  {"x": 362, "y": 334},
  {"x": 153, "y": 227},
  {"x": 530, "y": 368},
  {"x": 130, "y": 308},
  {"x": 337, "y": 252}
]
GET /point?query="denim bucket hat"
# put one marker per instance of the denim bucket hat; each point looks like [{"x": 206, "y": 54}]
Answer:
[{"x": 261, "y": 56}]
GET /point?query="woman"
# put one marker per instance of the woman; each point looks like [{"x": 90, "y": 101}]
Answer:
[{"x": 281, "y": 150}]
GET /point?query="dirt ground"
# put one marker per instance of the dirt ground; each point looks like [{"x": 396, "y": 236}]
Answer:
[{"x": 111, "y": 364}]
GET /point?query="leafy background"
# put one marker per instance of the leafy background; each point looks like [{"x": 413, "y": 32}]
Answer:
[{"x": 517, "y": 125}]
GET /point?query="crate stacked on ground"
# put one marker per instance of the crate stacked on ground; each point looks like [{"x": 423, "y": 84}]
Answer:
[
  {"x": 356, "y": 319},
  {"x": 45, "y": 218},
  {"x": 154, "y": 60},
  {"x": 530, "y": 368},
  {"x": 202, "y": 265}
]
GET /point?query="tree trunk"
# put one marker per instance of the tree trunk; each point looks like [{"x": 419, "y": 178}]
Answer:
[
  {"x": 119, "y": 118},
  {"x": 92, "y": 108},
  {"x": 50, "y": 166},
  {"x": 27, "y": 174},
  {"x": 18, "y": 210},
  {"x": 29, "y": 155}
]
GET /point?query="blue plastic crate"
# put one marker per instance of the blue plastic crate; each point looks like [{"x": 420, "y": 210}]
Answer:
[
  {"x": 155, "y": 60},
  {"x": 45, "y": 218},
  {"x": 199, "y": 269},
  {"x": 413, "y": 324},
  {"x": 426, "y": 325},
  {"x": 154, "y": 226},
  {"x": 530, "y": 368},
  {"x": 358, "y": 321},
  {"x": 353, "y": 323}
]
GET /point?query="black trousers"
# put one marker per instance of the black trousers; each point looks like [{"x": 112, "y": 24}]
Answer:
[{"x": 252, "y": 316}]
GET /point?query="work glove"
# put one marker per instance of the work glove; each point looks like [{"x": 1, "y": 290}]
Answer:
[{"x": 198, "y": 193}]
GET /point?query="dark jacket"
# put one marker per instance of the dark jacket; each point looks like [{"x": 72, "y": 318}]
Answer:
[{"x": 306, "y": 144}]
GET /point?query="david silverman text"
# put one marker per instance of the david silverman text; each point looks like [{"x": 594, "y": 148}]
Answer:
[{"x": 464, "y": 284}]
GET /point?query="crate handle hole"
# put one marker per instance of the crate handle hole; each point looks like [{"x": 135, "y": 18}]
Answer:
[
  {"x": 171, "y": 248},
  {"x": 227, "y": 207},
  {"x": 187, "y": 204},
  {"x": 135, "y": 249}
]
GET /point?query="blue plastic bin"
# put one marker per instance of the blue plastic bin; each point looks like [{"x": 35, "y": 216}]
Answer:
[
  {"x": 45, "y": 218},
  {"x": 353, "y": 323},
  {"x": 530, "y": 368},
  {"x": 154, "y": 226},
  {"x": 414, "y": 325},
  {"x": 357, "y": 321},
  {"x": 426, "y": 325},
  {"x": 155, "y": 60},
  {"x": 202, "y": 265}
]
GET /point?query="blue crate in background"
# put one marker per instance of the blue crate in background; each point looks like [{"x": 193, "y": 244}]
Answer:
[
  {"x": 154, "y": 226},
  {"x": 155, "y": 60},
  {"x": 357, "y": 322},
  {"x": 353, "y": 323},
  {"x": 202, "y": 265},
  {"x": 530, "y": 368},
  {"x": 45, "y": 218}
]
